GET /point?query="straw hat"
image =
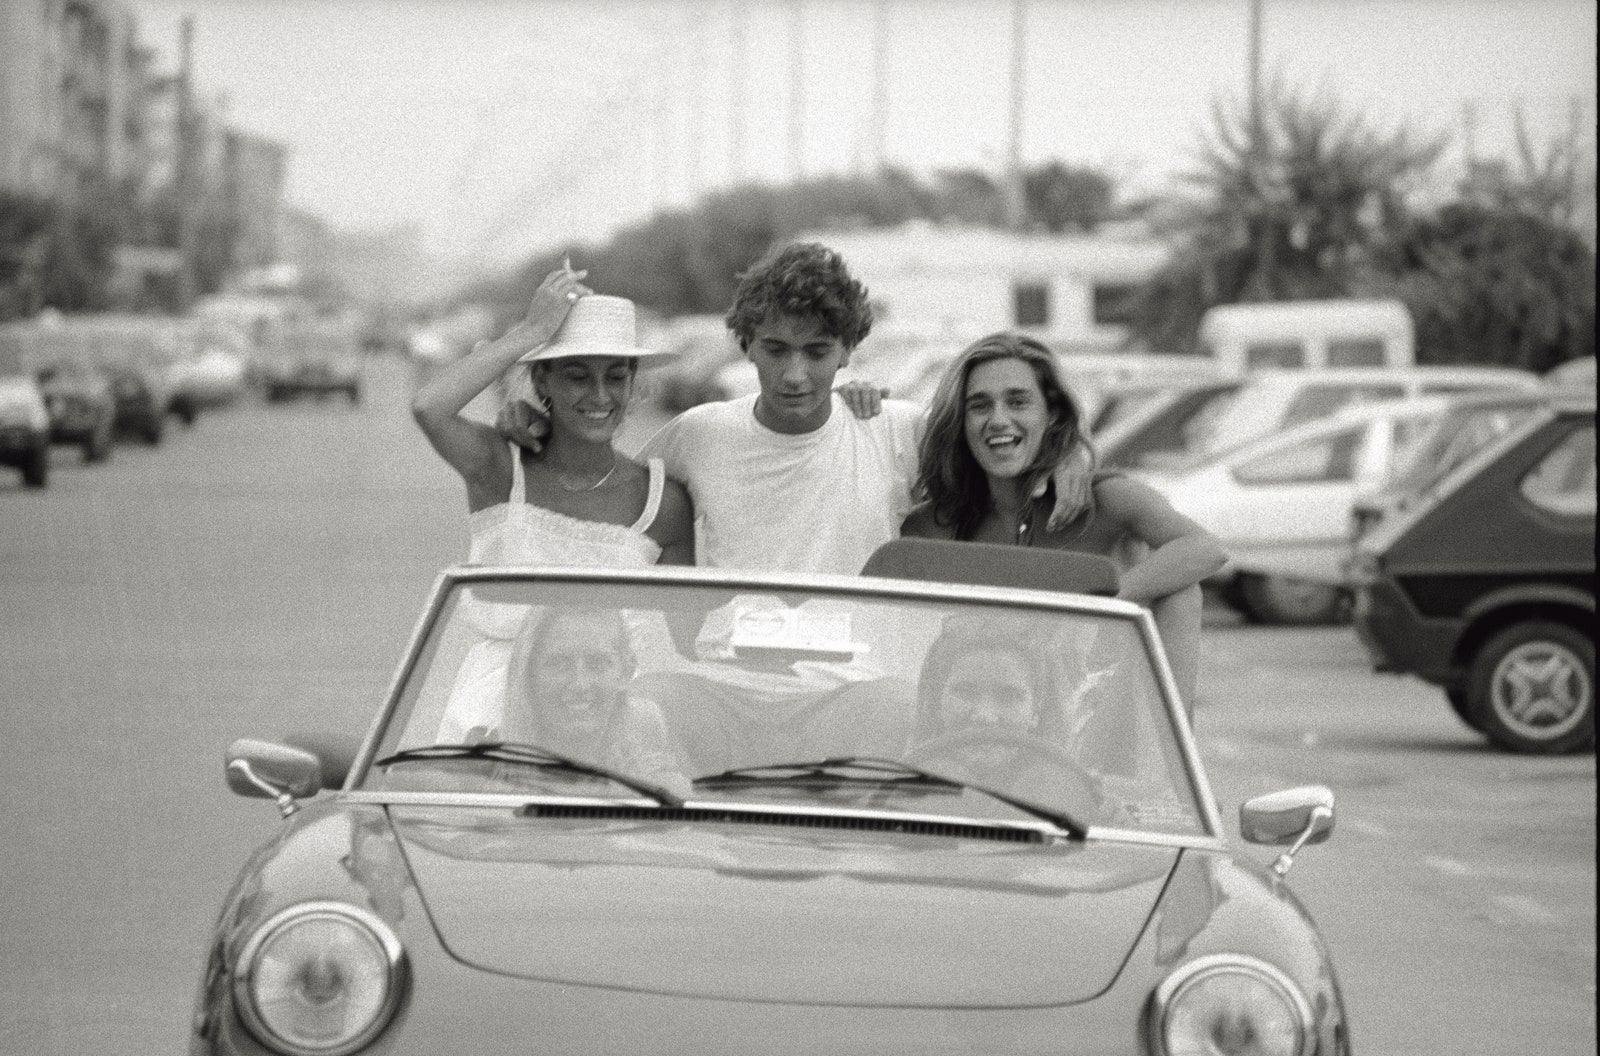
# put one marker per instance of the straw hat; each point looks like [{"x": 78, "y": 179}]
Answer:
[{"x": 598, "y": 325}]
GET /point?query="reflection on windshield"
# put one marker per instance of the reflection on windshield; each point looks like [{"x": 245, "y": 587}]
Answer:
[
  {"x": 667, "y": 684},
  {"x": 1458, "y": 436}
]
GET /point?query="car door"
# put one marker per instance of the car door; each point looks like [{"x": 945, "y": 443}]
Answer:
[{"x": 1290, "y": 510}]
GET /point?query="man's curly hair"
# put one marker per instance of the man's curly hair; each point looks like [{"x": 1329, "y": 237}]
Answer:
[{"x": 803, "y": 280}]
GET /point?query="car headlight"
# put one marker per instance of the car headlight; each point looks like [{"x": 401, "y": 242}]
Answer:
[
  {"x": 1225, "y": 1005},
  {"x": 319, "y": 979}
]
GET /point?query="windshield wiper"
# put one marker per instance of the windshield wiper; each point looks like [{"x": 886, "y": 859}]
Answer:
[
  {"x": 874, "y": 770},
  {"x": 531, "y": 755},
  {"x": 865, "y": 769}
]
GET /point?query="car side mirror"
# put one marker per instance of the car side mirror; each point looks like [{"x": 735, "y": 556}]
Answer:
[
  {"x": 1294, "y": 816},
  {"x": 335, "y": 752},
  {"x": 267, "y": 770}
]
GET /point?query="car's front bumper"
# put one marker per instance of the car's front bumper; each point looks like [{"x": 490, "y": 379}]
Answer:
[{"x": 20, "y": 442}]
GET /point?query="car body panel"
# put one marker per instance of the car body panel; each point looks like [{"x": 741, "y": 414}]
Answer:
[{"x": 750, "y": 912}]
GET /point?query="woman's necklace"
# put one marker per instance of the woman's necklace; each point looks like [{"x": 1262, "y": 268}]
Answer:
[{"x": 561, "y": 479}]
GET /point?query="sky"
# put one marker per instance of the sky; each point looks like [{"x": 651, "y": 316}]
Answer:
[{"x": 500, "y": 128}]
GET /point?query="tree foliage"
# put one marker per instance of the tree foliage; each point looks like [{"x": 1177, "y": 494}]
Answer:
[
  {"x": 689, "y": 260},
  {"x": 1494, "y": 285},
  {"x": 1291, "y": 209}
]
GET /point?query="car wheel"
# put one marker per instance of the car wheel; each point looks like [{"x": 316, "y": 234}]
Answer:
[
  {"x": 1462, "y": 707},
  {"x": 152, "y": 432},
  {"x": 36, "y": 468},
  {"x": 184, "y": 408},
  {"x": 1531, "y": 688},
  {"x": 1300, "y": 602},
  {"x": 354, "y": 392}
]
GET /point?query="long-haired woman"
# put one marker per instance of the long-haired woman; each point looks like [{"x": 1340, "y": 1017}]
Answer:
[{"x": 999, "y": 421}]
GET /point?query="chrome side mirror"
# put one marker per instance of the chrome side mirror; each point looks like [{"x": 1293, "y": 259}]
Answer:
[
  {"x": 272, "y": 771},
  {"x": 1294, "y": 816}
]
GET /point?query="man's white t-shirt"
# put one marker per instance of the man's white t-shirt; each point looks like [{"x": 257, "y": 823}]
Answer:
[{"x": 821, "y": 501}]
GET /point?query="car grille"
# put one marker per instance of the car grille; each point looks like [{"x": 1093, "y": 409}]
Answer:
[{"x": 944, "y": 830}]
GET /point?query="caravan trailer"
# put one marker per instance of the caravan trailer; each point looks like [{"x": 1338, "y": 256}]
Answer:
[{"x": 1299, "y": 334}]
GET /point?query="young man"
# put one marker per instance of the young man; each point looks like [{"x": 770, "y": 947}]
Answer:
[{"x": 790, "y": 479}]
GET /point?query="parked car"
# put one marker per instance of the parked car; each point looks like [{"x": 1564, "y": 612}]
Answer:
[
  {"x": 1473, "y": 422},
  {"x": 805, "y": 835},
  {"x": 284, "y": 377},
  {"x": 1334, "y": 332},
  {"x": 1281, "y": 505},
  {"x": 1486, "y": 587},
  {"x": 82, "y": 407},
  {"x": 142, "y": 399},
  {"x": 1194, "y": 423},
  {"x": 24, "y": 428}
]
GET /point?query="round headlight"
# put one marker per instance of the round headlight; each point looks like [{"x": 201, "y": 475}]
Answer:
[
  {"x": 319, "y": 979},
  {"x": 1229, "y": 1006}
]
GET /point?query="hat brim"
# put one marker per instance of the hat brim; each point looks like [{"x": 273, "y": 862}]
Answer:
[{"x": 643, "y": 356}]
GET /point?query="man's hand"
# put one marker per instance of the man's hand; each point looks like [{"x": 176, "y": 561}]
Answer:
[
  {"x": 1074, "y": 481},
  {"x": 864, "y": 399},
  {"x": 521, "y": 423}
]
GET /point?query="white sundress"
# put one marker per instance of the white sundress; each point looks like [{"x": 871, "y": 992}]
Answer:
[{"x": 516, "y": 532}]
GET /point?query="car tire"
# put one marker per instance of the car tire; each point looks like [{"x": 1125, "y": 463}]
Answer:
[
  {"x": 36, "y": 468},
  {"x": 1531, "y": 688},
  {"x": 97, "y": 448},
  {"x": 152, "y": 432},
  {"x": 1296, "y": 602},
  {"x": 354, "y": 392}
]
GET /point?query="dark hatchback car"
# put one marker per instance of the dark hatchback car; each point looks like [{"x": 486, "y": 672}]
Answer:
[
  {"x": 81, "y": 405},
  {"x": 1486, "y": 587}
]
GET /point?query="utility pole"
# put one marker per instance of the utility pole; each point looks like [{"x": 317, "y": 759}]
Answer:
[
  {"x": 736, "y": 76},
  {"x": 1016, "y": 211},
  {"x": 186, "y": 163},
  {"x": 880, "y": 84},
  {"x": 797, "y": 91},
  {"x": 1255, "y": 77}
]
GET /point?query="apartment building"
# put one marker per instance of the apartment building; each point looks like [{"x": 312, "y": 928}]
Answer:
[{"x": 72, "y": 75}]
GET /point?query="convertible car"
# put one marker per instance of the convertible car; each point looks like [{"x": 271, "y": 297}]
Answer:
[{"x": 923, "y": 810}]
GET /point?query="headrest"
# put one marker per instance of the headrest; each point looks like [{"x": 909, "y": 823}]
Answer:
[{"x": 993, "y": 565}]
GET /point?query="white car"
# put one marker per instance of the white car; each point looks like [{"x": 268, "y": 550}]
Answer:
[
  {"x": 1281, "y": 505},
  {"x": 1187, "y": 425}
]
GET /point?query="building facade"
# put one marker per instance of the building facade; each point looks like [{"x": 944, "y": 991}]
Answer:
[{"x": 968, "y": 281}]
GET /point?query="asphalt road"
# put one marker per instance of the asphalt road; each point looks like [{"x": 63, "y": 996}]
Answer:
[{"x": 261, "y": 572}]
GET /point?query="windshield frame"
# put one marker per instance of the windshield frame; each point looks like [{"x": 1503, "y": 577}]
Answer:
[{"x": 863, "y": 587}]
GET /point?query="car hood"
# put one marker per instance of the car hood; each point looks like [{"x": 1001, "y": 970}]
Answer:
[{"x": 748, "y": 912}]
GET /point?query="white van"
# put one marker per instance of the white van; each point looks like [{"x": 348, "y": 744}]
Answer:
[{"x": 1298, "y": 334}]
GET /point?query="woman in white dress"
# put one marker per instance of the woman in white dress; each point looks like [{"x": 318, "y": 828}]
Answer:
[{"x": 581, "y": 501}]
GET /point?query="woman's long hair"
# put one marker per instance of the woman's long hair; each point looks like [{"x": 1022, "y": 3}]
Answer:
[{"x": 948, "y": 476}]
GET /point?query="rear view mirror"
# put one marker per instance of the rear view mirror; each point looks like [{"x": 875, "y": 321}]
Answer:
[
  {"x": 335, "y": 752},
  {"x": 272, "y": 771},
  {"x": 1280, "y": 817},
  {"x": 1294, "y": 816}
]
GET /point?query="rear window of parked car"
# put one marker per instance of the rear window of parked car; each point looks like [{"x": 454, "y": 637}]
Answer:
[
  {"x": 1320, "y": 401},
  {"x": 1326, "y": 460},
  {"x": 1563, "y": 483}
]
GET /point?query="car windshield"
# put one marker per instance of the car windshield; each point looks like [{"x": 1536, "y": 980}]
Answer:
[
  {"x": 790, "y": 699},
  {"x": 1459, "y": 434}
]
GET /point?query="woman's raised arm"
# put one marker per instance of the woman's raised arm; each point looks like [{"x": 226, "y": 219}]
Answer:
[{"x": 474, "y": 450}]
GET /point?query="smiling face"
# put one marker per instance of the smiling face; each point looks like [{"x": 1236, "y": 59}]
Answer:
[
  {"x": 795, "y": 361},
  {"x": 1005, "y": 417},
  {"x": 579, "y": 676},
  {"x": 588, "y": 394},
  {"x": 988, "y": 690}
]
